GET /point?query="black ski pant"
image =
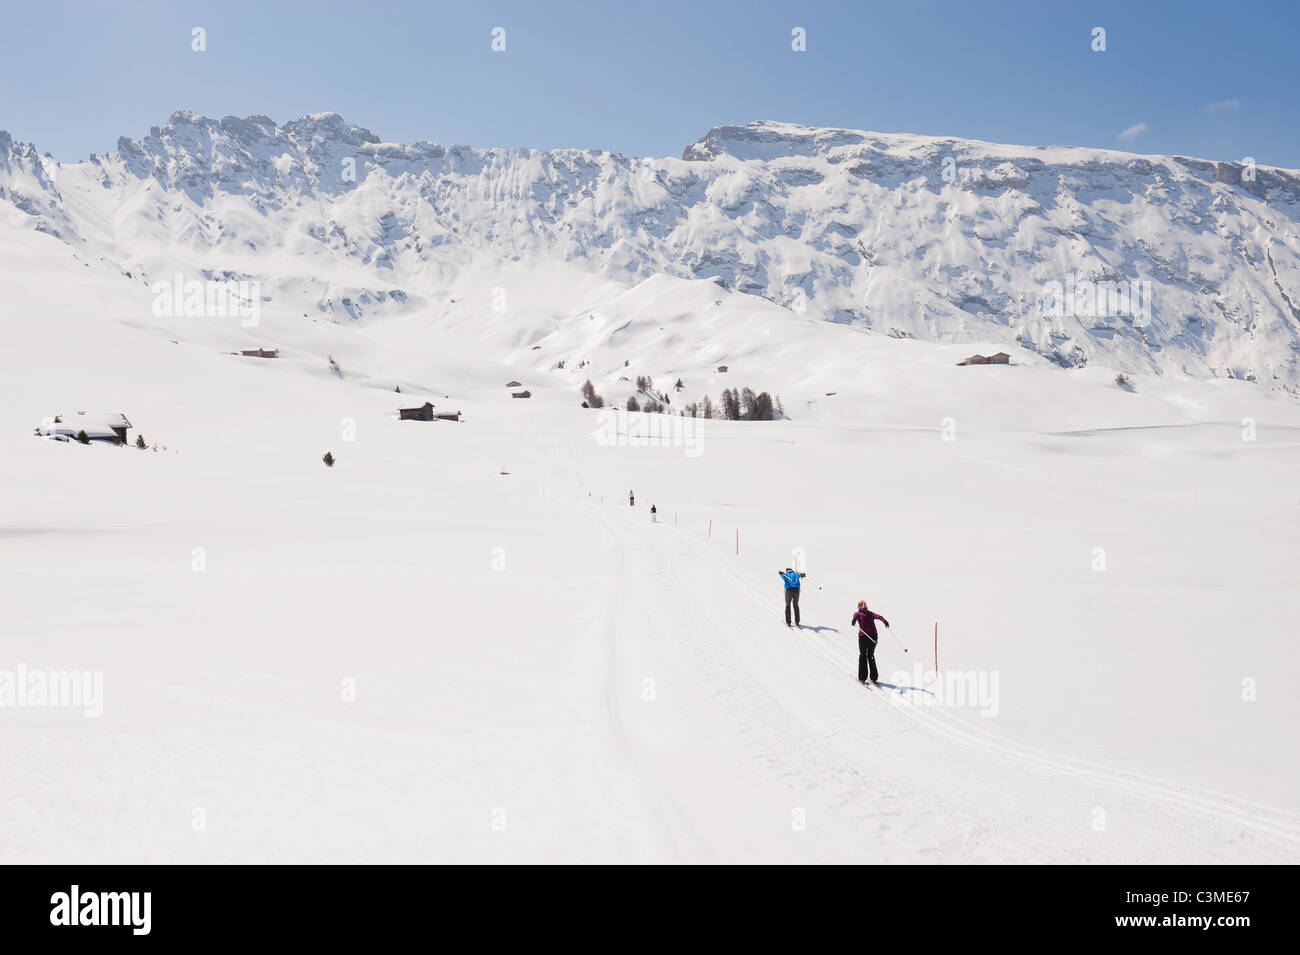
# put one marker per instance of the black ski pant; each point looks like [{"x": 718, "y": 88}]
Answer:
[
  {"x": 866, "y": 658},
  {"x": 791, "y": 597}
]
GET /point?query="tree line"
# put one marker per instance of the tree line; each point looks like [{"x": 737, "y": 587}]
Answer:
[{"x": 736, "y": 404}]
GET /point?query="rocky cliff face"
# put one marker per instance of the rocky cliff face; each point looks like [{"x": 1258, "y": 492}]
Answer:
[{"x": 1149, "y": 264}]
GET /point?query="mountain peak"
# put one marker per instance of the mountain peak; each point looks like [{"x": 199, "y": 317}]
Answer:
[
  {"x": 311, "y": 128},
  {"x": 767, "y": 139},
  {"x": 328, "y": 126}
]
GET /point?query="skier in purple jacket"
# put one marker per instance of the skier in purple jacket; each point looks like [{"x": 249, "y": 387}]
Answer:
[{"x": 865, "y": 621}]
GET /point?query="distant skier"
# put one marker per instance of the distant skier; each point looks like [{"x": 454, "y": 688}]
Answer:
[
  {"x": 791, "y": 578},
  {"x": 865, "y": 621},
  {"x": 654, "y": 515},
  {"x": 631, "y": 499}
]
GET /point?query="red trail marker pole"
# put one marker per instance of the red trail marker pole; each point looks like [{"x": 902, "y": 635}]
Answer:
[{"x": 936, "y": 646}]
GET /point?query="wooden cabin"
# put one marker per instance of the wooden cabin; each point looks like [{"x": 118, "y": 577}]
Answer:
[
  {"x": 514, "y": 384},
  {"x": 722, "y": 368},
  {"x": 108, "y": 428},
  {"x": 1001, "y": 358},
  {"x": 261, "y": 353},
  {"x": 448, "y": 416},
  {"x": 422, "y": 413},
  {"x": 521, "y": 394}
]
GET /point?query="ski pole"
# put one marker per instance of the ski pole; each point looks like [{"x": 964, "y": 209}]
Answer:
[{"x": 895, "y": 636}]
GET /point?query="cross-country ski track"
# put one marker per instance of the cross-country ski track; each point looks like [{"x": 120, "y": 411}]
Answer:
[{"x": 868, "y": 776}]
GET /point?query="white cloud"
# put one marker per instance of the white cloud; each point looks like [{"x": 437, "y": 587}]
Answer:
[
  {"x": 1133, "y": 132},
  {"x": 1221, "y": 105}
]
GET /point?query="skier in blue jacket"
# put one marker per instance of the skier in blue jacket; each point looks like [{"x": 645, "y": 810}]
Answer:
[{"x": 791, "y": 577}]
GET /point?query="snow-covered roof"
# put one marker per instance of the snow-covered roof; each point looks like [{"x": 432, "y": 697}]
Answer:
[{"x": 95, "y": 424}]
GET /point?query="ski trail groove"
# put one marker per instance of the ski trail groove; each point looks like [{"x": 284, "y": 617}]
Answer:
[
  {"x": 1266, "y": 820},
  {"x": 681, "y": 839}
]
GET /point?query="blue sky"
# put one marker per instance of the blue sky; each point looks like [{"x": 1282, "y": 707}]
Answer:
[{"x": 647, "y": 78}]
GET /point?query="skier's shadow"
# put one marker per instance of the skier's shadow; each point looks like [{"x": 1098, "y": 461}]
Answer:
[
  {"x": 904, "y": 689},
  {"x": 804, "y": 626}
]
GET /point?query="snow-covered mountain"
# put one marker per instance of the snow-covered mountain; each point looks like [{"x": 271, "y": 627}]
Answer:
[{"x": 939, "y": 239}]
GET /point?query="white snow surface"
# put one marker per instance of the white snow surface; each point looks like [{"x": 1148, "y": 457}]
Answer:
[{"x": 539, "y": 673}]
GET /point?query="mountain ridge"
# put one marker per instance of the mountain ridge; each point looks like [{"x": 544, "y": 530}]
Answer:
[{"x": 935, "y": 238}]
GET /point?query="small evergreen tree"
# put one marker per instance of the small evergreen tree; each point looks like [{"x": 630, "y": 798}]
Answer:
[
  {"x": 730, "y": 404},
  {"x": 83, "y": 437},
  {"x": 590, "y": 398},
  {"x": 328, "y": 458},
  {"x": 747, "y": 401},
  {"x": 140, "y": 442},
  {"x": 632, "y": 403}
]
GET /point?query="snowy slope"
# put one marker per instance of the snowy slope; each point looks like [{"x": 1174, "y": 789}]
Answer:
[
  {"x": 946, "y": 240},
  {"x": 540, "y": 674}
]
